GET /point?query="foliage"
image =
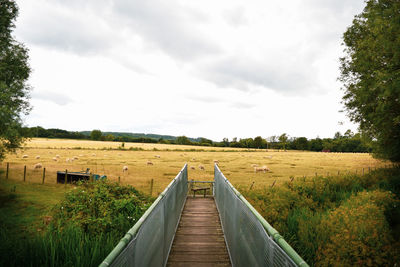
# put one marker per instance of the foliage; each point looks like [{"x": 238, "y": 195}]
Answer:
[
  {"x": 14, "y": 73},
  {"x": 101, "y": 207},
  {"x": 336, "y": 221},
  {"x": 96, "y": 135},
  {"x": 26, "y": 241},
  {"x": 370, "y": 74},
  {"x": 357, "y": 233}
]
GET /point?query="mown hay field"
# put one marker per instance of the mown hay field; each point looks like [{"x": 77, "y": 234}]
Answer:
[{"x": 236, "y": 164}]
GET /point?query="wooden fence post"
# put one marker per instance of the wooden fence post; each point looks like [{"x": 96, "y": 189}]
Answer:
[
  {"x": 119, "y": 179},
  {"x": 8, "y": 165},
  {"x": 151, "y": 187},
  {"x": 44, "y": 175},
  {"x": 24, "y": 173},
  {"x": 363, "y": 171},
  {"x": 251, "y": 186}
]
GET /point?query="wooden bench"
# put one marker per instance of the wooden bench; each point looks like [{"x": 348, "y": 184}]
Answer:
[{"x": 199, "y": 189}]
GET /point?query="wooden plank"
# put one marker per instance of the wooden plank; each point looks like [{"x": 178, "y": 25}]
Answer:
[
  {"x": 199, "y": 258},
  {"x": 199, "y": 239}
]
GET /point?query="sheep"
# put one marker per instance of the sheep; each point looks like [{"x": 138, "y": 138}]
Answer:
[
  {"x": 201, "y": 167},
  {"x": 57, "y": 156},
  {"x": 25, "y": 156},
  {"x": 80, "y": 155},
  {"x": 192, "y": 168},
  {"x": 157, "y": 156},
  {"x": 37, "y": 166},
  {"x": 75, "y": 157},
  {"x": 261, "y": 169},
  {"x": 125, "y": 169},
  {"x": 67, "y": 160},
  {"x": 267, "y": 157},
  {"x": 94, "y": 155},
  {"x": 55, "y": 159},
  {"x": 149, "y": 162},
  {"x": 216, "y": 161},
  {"x": 193, "y": 159},
  {"x": 254, "y": 165},
  {"x": 37, "y": 157}
]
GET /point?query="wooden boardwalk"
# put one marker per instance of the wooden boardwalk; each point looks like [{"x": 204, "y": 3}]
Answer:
[{"x": 199, "y": 240}]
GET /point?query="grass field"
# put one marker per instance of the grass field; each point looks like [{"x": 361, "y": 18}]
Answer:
[{"x": 236, "y": 164}]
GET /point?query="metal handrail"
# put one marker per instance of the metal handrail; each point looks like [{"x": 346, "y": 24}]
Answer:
[
  {"x": 270, "y": 230},
  {"x": 132, "y": 232}
]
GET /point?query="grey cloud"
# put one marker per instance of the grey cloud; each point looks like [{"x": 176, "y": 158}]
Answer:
[
  {"x": 236, "y": 16},
  {"x": 56, "y": 98},
  {"x": 67, "y": 31},
  {"x": 171, "y": 28},
  {"x": 238, "y": 73}
]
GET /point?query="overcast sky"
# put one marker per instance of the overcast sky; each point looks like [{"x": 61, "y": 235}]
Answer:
[{"x": 197, "y": 68}]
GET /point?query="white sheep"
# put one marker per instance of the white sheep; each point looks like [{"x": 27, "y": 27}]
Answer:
[
  {"x": 201, "y": 167},
  {"x": 94, "y": 155},
  {"x": 37, "y": 166},
  {"x": 157, "y": 156},
  {"x": 261, "y": 169},
  {"x": 25, "y": 156},
  {"x": 216, "y": 161},
  {"x": 37, "y": 157},
  {"x": 149, "y": 162},
  {"x": 75, "y": 158},
  {"x": 254, "y": 165},
  {"x": 125, "y": 169},
  {"x": 55, "y": 159},
  {"x": 57, "y": 156},
  {"x": 67, "y": 160},
  {"x": 192, "y": 168}
]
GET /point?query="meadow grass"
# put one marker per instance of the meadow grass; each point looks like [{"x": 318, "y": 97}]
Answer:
[{"x": 236, "y": 165}]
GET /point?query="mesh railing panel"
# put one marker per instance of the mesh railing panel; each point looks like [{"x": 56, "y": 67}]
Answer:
[
  {"x": 248, "y": 242},
  {"x": 153, "y": 241}
]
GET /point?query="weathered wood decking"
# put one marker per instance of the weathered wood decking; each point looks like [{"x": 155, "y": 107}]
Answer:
[{"x": 199, "y": 240}]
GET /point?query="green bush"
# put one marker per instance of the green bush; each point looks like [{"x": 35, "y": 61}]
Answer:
[
  {"x": 100, "y": 207},
  {"x": 357, "y": 232},
  {"x": 313, "y": 214}
]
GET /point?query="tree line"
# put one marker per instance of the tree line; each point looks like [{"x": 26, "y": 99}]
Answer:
[{"x": 347, "y": 142}]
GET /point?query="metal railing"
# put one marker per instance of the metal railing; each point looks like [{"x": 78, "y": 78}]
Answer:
[
  {"x": 149, "y": 241},
  {"x": 250, "y": 239}
]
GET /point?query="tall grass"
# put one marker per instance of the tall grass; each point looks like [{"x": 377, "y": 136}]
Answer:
[
  {"x": 84, "y": 227},
  {"x": 337, "y": 221},
  {"x": 70, "y": 247}
]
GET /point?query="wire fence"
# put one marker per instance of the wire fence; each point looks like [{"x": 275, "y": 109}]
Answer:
[
  {"x": 149, "y": 241},
  {"x": 248, "y": 242}
]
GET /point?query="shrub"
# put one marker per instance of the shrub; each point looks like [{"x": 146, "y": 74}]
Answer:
[
  {"x": 101, "y": 207},
  {"x": 357, "y": 232}
]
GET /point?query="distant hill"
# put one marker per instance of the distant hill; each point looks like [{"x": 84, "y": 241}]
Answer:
[{"x": 141, "y": 135}]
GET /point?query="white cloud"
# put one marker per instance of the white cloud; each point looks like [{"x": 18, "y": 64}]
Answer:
[{"x": 199, "y": 68}]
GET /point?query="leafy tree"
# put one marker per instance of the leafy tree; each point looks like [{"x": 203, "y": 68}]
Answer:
[
  {"x": 14, "y": 73},
  {"x": 300, "y": 143},
  {"x": 283, "y": 139},
  {"x": 96, "y": 135},
  {"x": 258, "y": 142},
  {"x": 371, "y": 77},
  {"x": 109, "y": 137},
  {"x": 183, "y": 140}
]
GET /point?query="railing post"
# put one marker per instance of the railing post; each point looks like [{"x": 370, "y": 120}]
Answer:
[
  {"x": 8, "y": 164},
  {"x": 44, "y": 174}
]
